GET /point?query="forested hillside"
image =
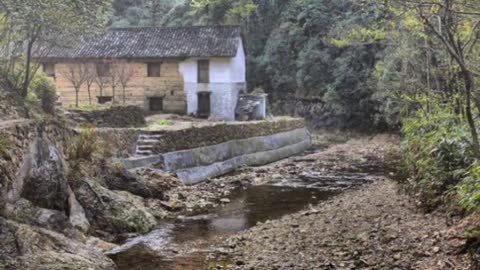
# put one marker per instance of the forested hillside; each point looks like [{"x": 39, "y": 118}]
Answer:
[{"x": 292, "y": 51}]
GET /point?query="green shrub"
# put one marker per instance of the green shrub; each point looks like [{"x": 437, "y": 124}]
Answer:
[
  {"x": 84, "y": 146},
  {"x": 45, "y": 92},
  {"x": 437, "y": 152},
  {"x": 468, "y": 192}
]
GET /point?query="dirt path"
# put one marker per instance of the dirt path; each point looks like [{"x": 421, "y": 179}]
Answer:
[{"x": 371, "y": 228}]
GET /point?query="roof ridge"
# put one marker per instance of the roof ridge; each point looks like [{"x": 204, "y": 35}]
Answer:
[
  {"x": 172, "y": 27},
  {"x": 157, "y": 42}
]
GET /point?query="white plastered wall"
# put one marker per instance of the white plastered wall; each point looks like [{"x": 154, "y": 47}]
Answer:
[{"x": 227, "y": 80}]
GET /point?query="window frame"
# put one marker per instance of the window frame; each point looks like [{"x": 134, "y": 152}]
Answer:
[
  {"x": 45, "y": 69},
  {"x": 201, "y": 65},
  {"x": 103, "y": 69},
  {"x": 150, "y": 66}
]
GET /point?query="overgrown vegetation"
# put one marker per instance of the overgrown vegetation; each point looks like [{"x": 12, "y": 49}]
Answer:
[
  {"x": 438, "y": 153},
  {"x": 45, "y": 92},
  {"x": 84, "y": 145},
  {"x": 5, "y": 145}
]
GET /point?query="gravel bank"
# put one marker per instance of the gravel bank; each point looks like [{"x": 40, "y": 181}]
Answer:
[{"x": 374, "y": 227}]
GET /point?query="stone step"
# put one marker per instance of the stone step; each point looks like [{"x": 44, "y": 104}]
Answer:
[
  {"x": 153, "y": 132},
  {"x": 145, "y": 148},
  {"x": 144, "y": 153},
  {"x": 147, "y": 142},
  {"x": 149, "y": 137}
]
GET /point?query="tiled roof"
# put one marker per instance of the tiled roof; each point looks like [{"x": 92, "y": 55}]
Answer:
[{"x": 154, "y": 42}]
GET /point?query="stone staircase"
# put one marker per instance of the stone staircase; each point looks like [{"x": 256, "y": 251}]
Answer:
[{"x": 146, "y": 143}]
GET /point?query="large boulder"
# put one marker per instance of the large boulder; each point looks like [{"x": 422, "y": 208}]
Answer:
[
  {"x": 46, "y": 182},
  {"x": 112, "y": 211},
  {"x": 30, "y": 248},
  {"x": 77, "y": 218},
  {"x": 147, "y": 183},
  {"x": 26, "y": 212}
]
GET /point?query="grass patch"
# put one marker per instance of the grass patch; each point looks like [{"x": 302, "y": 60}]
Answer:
[
  {"x": 161, "y": 123},
  {"x": 84, "y": 145},
  {"x": 88, "y": 107},
  {"x": 5, "y": 145}
]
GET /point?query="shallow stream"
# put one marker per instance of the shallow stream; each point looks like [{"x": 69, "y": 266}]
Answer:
[
  {"x": 195, "y": 242},
  {"x": 247, "y": 207}
]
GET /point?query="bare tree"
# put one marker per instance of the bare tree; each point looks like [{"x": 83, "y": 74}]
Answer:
[
  {"x": 90, "y": 80},
  {"x": 114, "y": 81},
  {"x": 76, "y": 74},
  {"x": 455, "y": 25},
  {"x": 124, "y": 74},
  {"x": 101, "y": 82}
]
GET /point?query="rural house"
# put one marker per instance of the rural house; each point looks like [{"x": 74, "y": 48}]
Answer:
[{"x": 197, "y": 70}]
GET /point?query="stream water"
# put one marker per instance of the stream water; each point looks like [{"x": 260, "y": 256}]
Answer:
[{"x": 246, "y": 208}]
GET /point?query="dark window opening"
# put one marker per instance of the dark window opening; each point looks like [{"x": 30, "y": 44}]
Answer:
[
  {"x": 203, "y": 104},
  {"x": 49, "y": 69},
  {"x": 203, "y": 71},
  {"x": 154, "y": 69},
  {"x": 104, "y": 99},
  {"x": 155, "y": 104},
  {"x": 103, "y": 70}
]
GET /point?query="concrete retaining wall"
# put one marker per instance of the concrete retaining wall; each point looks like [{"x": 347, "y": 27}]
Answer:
[
  {"x": 198, "y": 174},
  {"x": 215, "y": 153},
  {"x": 197, "y": 154},
  {"x": 199, "y": 164}
]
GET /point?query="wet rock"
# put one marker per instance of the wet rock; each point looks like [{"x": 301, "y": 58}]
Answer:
[
  {"x": 77, "y": 216},
  {"x": 224, "y": 200},
  {"x": 146, "y": 248},
  {"x": 145, "y": 183},
  {"x": 99, "y": 244},
  {"x": 46, "y": 183},
  {"x": 112, "y": 211},
  {"x": 26, "y": 212},
  {"x": 30, "y": 248}
]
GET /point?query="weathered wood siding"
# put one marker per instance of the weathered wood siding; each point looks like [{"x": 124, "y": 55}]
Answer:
[{"x": 169, "y": 85}]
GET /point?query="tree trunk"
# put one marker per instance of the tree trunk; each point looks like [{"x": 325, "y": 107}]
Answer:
[
  {"x": 113, "y": 94},
  {"x": 469, "y": 84},
  {"x": 89, "y": 95},
  {"x": 26, "y": 80},
  {"x": 124, "y": 96},
  {"x": 76, "y": 97}
]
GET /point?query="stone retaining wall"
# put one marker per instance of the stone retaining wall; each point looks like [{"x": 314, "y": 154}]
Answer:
[
  {"x": 117, "y": 142},
  {"x": 210, "y": 135},
  {"x": 113, "y": 117}
]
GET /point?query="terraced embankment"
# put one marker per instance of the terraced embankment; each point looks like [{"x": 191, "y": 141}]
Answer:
[{"x": 197, "y": 154}]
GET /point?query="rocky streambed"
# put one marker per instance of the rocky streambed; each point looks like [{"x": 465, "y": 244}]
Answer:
[{"x": 249, "y": 198}]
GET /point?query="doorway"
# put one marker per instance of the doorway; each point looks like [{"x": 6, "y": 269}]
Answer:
[{"x": 203, "y": 104}]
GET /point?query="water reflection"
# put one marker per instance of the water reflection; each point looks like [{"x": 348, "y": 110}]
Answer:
[{"x": 246, "y": 209}]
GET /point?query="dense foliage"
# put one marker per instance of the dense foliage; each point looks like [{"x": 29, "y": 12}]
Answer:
[
  {"x": 31, "y": 28},
  {"x": 438, "y": 152}
]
